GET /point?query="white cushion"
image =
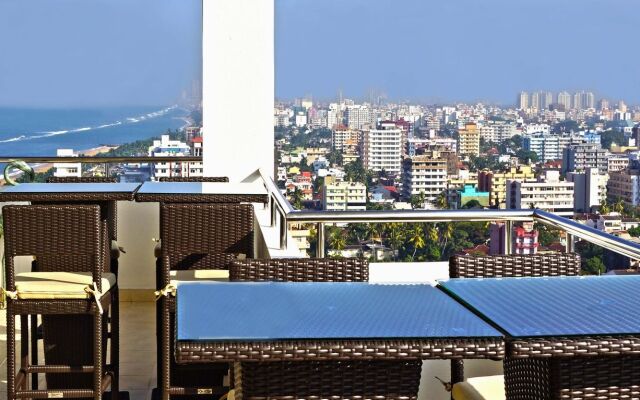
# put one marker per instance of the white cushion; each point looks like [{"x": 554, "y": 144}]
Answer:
[
  {"x": 480, "y": 388},
  {"x": 59, "y": 285},
  {"x": 198, "y": 275}
]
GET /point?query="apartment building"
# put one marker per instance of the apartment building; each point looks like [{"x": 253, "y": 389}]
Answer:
[
  {"x": 579, "y": 157},
  {"x": 624, "y": 185},
  {"x": 165, "y": 147},
  {"x": 358, "y": 116},
  {"x": 426, "y": 174},
  {"x": 343, "y": 196},
  {"x": 617, "y": 162},
  {"x": 469, "y": 140},
  {"x": 547, "y": 193},
  {"x": 548, "y": 146},
  {"x": 590, "y": 189},
  {"x": 342, "y": 135},
  {"x": 496, "y": 183},
  {"x": 382, "y": 150},
  {"x": 524, "y": 239},
  {"x": 64, "y": 170}
]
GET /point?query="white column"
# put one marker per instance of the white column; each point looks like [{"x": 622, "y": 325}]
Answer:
[{"x": 238, "y": 87}]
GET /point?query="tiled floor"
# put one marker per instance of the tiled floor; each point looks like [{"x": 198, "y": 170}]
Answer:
[{"x": 137, "y": 353}]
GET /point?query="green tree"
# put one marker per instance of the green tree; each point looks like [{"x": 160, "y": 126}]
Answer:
[
  {"x": 526, "y": 156},
  {"x": 296, "y": 199},
  {"x": 635, "y": 231},
  {"x": 355, "y": 172},
  {"x": 604, "y": 207},
  {"x": 337, "y": 239},
  {"x": 418, "y": 200},
  {"x": 594, "y": 266},
  {"x": 416, "y": 239},
  {"x": 607, "y": 138},
  {"x": 472, "y": 204}
]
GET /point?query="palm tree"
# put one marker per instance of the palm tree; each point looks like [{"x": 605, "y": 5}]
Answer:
[
  {"x": 337, "y": 239},
  {"x": 394, "y": 234},
  {"x": 441, "y": 201},
  {"x": 604, "y": 207},
  {"x": 619, "y": 206},
  {"x": 373, "y": 232},
  {"x": 447, "y": 234},
  {"x": 432, "y": 232},
  {"x": 417, "y": 239}
]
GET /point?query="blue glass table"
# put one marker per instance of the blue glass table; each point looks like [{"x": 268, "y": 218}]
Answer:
[
  {"x": 311, "y": 321},
  {"x": 567, "y": 337},
  {"x": 202, "y": 192}
]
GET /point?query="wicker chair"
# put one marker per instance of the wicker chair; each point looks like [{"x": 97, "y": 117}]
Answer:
[
  {"x": 501, "y": 266},
  {"x": 204, "y": 237},
  {"x": 194, "y": 179},
  {"x": 70, "y": 295},
  {"x": 320, "y": 379}
]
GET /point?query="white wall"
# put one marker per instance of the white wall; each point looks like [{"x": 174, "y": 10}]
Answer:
[{"x": 238, "y": 86}]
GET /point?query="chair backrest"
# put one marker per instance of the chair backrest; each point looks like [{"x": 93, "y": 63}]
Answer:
[
  {"x": 194, "y": 179},
  {"x": 110, "y": 208},
  {"x": 69, "y": 237},
  {"x": 82, "y": 179},
  {"x": 205, "y": 235},
  {"x": 514, "y": 265},
  {"x": 300, "y": 270}
]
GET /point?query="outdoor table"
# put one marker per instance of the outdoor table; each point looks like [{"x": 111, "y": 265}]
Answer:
[
  {"x": 202, "y": 192},
  {"x": 567, "y": 337},
  {"x": 386, "y": 326}
]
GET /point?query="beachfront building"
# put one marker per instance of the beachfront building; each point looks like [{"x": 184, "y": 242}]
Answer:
[
  {"x": 65, "y": 170},
  {"x": 165, "y": 147}
]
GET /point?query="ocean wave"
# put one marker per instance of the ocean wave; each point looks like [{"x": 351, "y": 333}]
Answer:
[{"x": 131, "y": 120}]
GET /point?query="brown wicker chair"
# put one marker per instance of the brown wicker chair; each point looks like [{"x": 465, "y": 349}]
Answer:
[
  {"x": 194, "y": 179},
  {"x": 195, "y": 236},
  {"x": 319, "y": 379},
  {"x": 75, "y": 329},
  {"x": 501, "y": 266}
]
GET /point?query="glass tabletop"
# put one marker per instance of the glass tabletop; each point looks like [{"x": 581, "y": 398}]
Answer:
[
  {"x": 72, "y": 188},
  {"x": 290, "y": 311},
  {"x": 557, "y": 306},
  {"x": 200, "y": 188}
]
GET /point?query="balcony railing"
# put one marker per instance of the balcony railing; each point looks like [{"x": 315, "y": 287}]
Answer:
[{"x": 283, "y": 214}]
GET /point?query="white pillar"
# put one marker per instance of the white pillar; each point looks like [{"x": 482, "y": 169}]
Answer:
[{"x": 238, "y": 87}]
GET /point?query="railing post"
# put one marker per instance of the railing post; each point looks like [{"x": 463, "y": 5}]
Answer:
[
  {"x": 508, "y": 228},
  {"x": 571, "y": 244},
  {"x": 272, "y": 202},
  {"x": 320, "y": 242}
]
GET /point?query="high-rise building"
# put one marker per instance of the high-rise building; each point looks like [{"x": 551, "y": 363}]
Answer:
[
  {"x": 604, "y": 104},
  {"x": 546, "y": 99},
  {"x": 622, "y": 107},
  {"x": 590, "y": 189},
  {"x": 547, "y": 146},
  {"x": 580, "y": 157},
  {"x": 523, "y": 100},
  {"x": 469, "y": 140},
  {"x": 584, "y": 100},
  {"x": 564, "y": 98},
  {"x": 496, "y": 183},
  {"x": 426, "y": 174},
  {"x": 625, "y": 185},
  {"x": 341, "y": 135},
  {"x": 175, "y": 148},
  {"x": 535, "y": 100},
  {"x": 358, "y": 116},
  {"x": 382, "y": 149},
  {"x": 548, "y": 193},
  {"x": 345, "y": 196}
]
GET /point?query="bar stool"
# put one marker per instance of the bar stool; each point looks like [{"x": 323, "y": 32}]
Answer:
[
  {"x": 198, "y": 241},
  {"x": 379, "y": 379},
  {"x": 500, "y": 266},
  {"x": 60, "y": 292}
]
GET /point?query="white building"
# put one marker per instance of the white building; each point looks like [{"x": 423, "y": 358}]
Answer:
[
  {"x": 358, "y": 116},
  {"x": 624, "y": 185},
  {"x": 617, "y": 162},
  {"x": 564, "y": 98},
  {"x": 382, "y": 150},
  {"x": 549, "y": 147},
  {"x": 166, "y": 147},
  {"x": 341, "y": 136},
  {"x": 547, "y": 193},
  {"x": 425, "y": 174},
  {"x": 590, "y": 189},
  {"x": 63, "y": 170},
  {"x": 342, "y": 196}
]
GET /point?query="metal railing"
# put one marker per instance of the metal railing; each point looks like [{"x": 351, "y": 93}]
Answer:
[{"x": 280, "y": 207}]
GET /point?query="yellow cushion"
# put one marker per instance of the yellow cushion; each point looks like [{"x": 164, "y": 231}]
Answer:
[
  {"x": 198, "y": 275},
  {"x": 480, "y": 388},
  {"x": 58, "y": 285}
]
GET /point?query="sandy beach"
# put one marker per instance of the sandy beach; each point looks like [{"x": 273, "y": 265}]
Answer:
[{"x": 44, "y": 167}]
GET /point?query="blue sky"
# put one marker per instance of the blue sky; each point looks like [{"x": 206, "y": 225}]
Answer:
[
  {"x": 456, "y": 49},
  {"x": 61, "y": 53},
  {"x": 75, "y": 53}
]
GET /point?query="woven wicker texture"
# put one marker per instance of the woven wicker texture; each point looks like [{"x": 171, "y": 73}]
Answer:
[
  {"x": 194, "y": 179},
  {"x": 554, "y": 264},
  {"x": 313, "y": 380},
  {"x": 201, "y": 198},
  {"x": 196, "y": 236},
  {"x": 572, "y": 346},
  {"x": 71, "y": 231}
]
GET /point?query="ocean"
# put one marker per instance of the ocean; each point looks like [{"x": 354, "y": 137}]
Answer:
[{"x": 40, "y": 132}]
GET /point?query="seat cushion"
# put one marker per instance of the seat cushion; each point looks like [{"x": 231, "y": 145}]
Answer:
[
  {"x": 480, "y": 388},
  {"x": 115, "y": 250},
  {"x": 198, "y": 275},
  {"x": 59, "y": 285}
]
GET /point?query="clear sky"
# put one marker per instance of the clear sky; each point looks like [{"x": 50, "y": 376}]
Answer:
[
  {"x": 457, "y": 49},
  {"x": 85, "y": 53}
]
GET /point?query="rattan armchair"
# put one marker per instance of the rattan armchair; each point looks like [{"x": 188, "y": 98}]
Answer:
[
  {"x": 202, "y": 238},
  {"x": 497, "y": 266},
  {"x": 72, "y": 292},
  {"x": 379, "y": 379}
]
